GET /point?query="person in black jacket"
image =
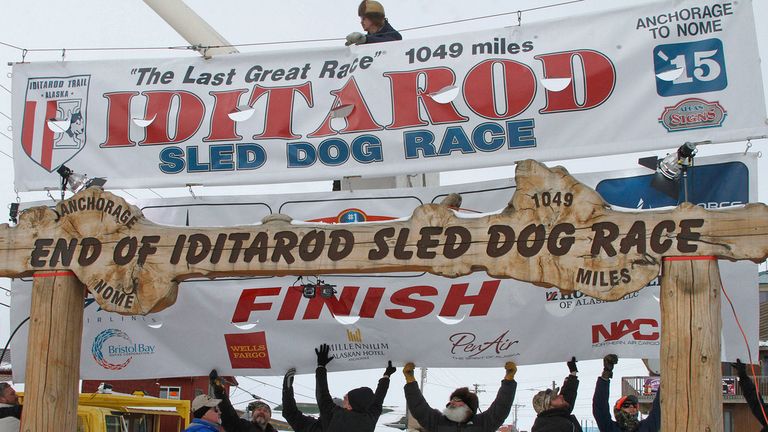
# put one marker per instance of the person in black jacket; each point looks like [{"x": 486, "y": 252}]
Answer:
[
  {"x": 554, "y": 408},
  {"x": 299, "y": 421},
  {"x": 259, "y": 422},
  {"x": 460, "y": 413},
  {"x": 625, "y": 410},
  {"x": 756, "y": 403},
  {"x": 361, "y": 407},
  {"x": 375, "y": 24}
]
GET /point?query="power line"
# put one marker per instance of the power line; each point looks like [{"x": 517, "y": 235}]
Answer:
[
  {"x": 191, "y": 47},
  {"x": 6, "y": 89}
]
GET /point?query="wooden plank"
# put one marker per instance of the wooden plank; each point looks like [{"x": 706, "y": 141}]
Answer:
[
  {"x": 53, "y": 353},
  {"x": 554, "y": 232},
  {"x": 691, "y": 324}
]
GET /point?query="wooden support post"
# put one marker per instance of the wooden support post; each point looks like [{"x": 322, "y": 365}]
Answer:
[
  {"x": 53, "y": 353},
  {"x": 691, "y": 324}
]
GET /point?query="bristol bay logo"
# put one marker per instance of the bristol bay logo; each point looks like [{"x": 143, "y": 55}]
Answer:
[
  {"x": 53, "y": 126},
  {"x": 468, "y": 346},
  {"x": 692, "y": 113},
  {"x": 118, "y": 345}
]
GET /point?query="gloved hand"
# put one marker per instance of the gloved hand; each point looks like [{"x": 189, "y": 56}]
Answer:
[
  {"x": 288, "y": 378},
  {"x": 572, "y": 366},
  {"x": 511, "y": 369},
  {"x": 322, "y": 355},
  {"x": 740, "y": 367},
  {"x": 215, "y": 380},
  {"x": 609, "y": 362},
  {"x": 355, "y": 38},
  {"x": 408, "y": 372},
  {"x": 390, "y": 369}
]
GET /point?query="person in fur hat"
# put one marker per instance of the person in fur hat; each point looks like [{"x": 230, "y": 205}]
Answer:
[
  {"x": 625, "y": 409},
  {"x": 460, "y": 413},
  {"x": 361, "y": 407},
  {"x": 377, "y": 28},
  {"x": 554, "y": 408}
]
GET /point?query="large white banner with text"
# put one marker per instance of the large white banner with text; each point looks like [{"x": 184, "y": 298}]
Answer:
[
  {"x": 262, "y": 326},
  {"x": 634, "y": 79}
]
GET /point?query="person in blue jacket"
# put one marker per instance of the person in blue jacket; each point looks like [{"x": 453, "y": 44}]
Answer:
[
  {"x": 206, "y": 416},
  {"x": 375, "y": 24},
  {"x": 625, "y": 409}
]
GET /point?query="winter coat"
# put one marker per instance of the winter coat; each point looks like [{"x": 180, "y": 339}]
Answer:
[
  {"x": 299, "y": 421},
  {"x": 754, "y": 400},
  {"x": 560, "y": 419},
  {"x": 366, "y": 406},
  {"x": 200, "y": 425},
  {"x": 601, "y": 409},
  {"x": 386, "y": 34},
  {"x": 9, "y": 417},
  {"x": 229, "y": 418},
  {"x": 434, "y": 421}
]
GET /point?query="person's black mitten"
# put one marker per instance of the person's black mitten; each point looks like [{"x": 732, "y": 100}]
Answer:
[
  {"x": 322, "y": 355},
  {"x": 609, "y": 362},
  {"x": 390, "y": 369},
  {"x": 741, "y": 368},
  {"x": 572, "y": 366},
  {"x": 288, "y": 378}
]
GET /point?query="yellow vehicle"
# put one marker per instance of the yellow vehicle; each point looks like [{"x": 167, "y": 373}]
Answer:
[{"x": 119, "y": 412}]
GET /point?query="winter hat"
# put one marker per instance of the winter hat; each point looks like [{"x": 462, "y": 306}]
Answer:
[
  {"x": 204, "y": 400},
  {"x": 259, "y": 404},
  {"x": 628, "y": 398},
  {"x": 370, "y": 7},
  {"x": 360, "y": 399},
  {"x": 543, "y": 399},
  {"x": 466, "y": 396}
]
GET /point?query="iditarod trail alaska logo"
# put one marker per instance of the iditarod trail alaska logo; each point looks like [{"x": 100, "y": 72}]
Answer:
[{"x": 53, "y": 125}]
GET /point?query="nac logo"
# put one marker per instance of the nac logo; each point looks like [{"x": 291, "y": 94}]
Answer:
[{"x": 626, "y": 331}]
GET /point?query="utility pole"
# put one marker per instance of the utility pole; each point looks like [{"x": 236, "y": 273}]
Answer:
[
  {"x": 477, "y": 388},
  {"x": 514, "y": 419}
]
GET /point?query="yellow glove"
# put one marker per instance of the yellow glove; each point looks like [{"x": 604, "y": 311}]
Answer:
[
  {"x": 408, "y": 372},
  {"x": 511, "y": 369}
]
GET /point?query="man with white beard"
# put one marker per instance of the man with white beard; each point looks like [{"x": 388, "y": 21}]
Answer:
[{"x": 460, "y": 413}]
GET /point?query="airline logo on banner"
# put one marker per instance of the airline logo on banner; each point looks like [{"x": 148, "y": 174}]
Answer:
[{"x": 658, "y": 74}]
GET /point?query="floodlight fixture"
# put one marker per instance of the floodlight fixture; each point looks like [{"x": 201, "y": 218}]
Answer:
[{"x": 76, "y": 182}]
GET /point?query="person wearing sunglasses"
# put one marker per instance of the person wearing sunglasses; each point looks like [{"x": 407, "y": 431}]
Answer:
[
  {"x": 554, "y": 407},
  {"x": 625, "y": 411},
  {"x": 206, "y": 416}
]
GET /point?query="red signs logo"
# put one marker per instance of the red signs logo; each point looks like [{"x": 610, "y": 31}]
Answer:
[
  {"x": 627, "y": 331},
  {"x": 248, "y": 350},
  {"x": 692, "y": 113}
]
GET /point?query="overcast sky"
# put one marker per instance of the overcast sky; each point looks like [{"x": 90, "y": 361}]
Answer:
[{"x": 130, "y": 23}]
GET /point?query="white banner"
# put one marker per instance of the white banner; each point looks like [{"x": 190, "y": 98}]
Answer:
[
  {"x": 635, "y": 79},
  {"x": 261, "y": 326}
]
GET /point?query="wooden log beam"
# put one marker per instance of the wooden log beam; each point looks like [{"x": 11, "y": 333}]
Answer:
[
  {"x": 53, "y": 353},
  {"x": 554, "y": 232},
  {"x": 691, "y": 324}
]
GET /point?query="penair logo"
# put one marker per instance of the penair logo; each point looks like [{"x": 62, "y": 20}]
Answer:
[
  {"x": 355, "y": 349},
  {"x": 248, "y": 350},
  {"x": 351, "y": 215},
  {"x": 116, "y": 344},
  {"x": 640, "y": 331},
  {"x": 53, "y": 125},
  {"x": 469, "y": 346},
  {"x": 692, "y": 113}
]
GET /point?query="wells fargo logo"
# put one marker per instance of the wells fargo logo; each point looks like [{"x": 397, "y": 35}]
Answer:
[
  {"x": 692, "y": 113},
  {"x": 248, "y": 350},
  {"x": 640, "y": 331}
]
